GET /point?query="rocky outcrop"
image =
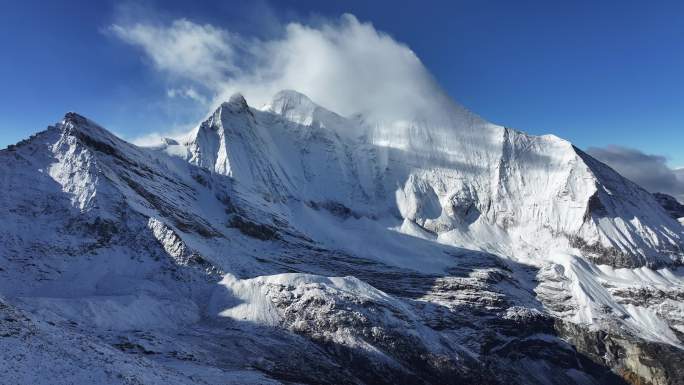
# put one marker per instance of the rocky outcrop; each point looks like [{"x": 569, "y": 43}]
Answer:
[
  {"x": 636, "y": 361},
  {"x": 670, "y": 204}
]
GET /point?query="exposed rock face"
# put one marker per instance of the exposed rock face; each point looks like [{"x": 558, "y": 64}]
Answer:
[
  {"x": 292, "y": 245},
  {"x": 636, "y": 361}
]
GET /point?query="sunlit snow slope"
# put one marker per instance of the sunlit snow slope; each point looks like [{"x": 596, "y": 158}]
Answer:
[{"x": 451, "y": 175}]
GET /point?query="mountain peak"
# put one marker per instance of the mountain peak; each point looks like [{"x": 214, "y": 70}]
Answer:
[
  {"x": 291, "y": 96},
  {"x": 74, "y": 118},
  {"x": 236, "y": 103},
  {"x": 296, "y": 107},
  {"x": 74, "y": 122},
  {"x": 288, "y": 102}
]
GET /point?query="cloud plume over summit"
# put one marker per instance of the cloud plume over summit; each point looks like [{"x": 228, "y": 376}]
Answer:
[{"x": 345, "y": 65}]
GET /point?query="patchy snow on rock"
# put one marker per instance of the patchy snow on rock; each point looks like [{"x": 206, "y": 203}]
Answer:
[{"x": 254, "y": 302}]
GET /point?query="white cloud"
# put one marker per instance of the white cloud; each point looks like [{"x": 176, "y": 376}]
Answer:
[
  {"x": 151, "y": 139},
  {"x": 345, "y": 65},
  {"x": 156, "y": 138},
  {"x": 188, "y": 92},
  {"x": 202, "y": 53}
]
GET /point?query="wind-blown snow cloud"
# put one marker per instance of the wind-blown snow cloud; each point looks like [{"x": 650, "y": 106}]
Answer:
[
  {"x": 345, "y": 65},
  {"x": 199, "y": 52},
  {"x": 649, "y": 171},
  {"x": 188, "y": 92}
]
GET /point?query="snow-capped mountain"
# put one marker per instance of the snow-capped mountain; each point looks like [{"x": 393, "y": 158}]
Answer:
[
  {"x": 455, "y": 177},
  {"x": 289, "y": 244}
]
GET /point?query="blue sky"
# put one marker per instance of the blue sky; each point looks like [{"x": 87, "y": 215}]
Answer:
[{"x": 596, "y": 73}]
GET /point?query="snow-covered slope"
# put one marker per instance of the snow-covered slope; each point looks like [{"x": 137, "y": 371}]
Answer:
[
  {"x": 462, "y": 180},
  {"x": 290, "y": 244}
]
